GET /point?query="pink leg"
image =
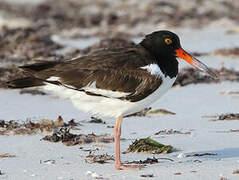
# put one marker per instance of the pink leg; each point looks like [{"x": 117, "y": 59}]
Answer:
[{"x": 117, "y": 133}]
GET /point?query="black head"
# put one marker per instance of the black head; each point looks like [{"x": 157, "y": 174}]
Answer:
[
  {"x": 161, "y": 43},
  {"x": 165, "y": 47}
]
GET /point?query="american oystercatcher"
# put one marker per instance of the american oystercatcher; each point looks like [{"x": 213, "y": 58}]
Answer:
[{"x": 114, "y": 82}]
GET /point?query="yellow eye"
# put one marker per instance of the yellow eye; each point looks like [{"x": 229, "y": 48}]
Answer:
[{"x": 168, "y": 41}]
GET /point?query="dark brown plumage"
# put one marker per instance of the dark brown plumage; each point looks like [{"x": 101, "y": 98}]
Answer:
[{"x": 111, "y": 69}]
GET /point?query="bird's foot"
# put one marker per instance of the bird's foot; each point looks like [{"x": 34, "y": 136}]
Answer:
[{"x": 120, "y": 166}]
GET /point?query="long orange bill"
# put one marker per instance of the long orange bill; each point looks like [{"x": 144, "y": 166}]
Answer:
[{"x": 194, "y": 62}]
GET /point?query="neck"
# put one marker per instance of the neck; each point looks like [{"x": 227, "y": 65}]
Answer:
[{"x": 169, "y": 66}]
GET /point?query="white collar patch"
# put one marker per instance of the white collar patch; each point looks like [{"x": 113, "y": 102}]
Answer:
[{"x": 153, "y": 69}]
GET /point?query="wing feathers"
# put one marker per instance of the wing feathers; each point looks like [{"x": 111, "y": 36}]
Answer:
[
  {"x": 109, "y": 73},
  {"x": 132, "y": 85}
]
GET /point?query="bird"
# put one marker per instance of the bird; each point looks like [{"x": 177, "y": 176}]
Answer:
[{"x": 114, "y": 82}]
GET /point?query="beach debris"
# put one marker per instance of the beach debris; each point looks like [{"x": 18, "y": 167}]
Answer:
[
  {"x": 158, "y": 112},
  {"x": 222, "y": 117},
  {"x": 228, "y": 74},
  {"x": 224, "y": 178},
  {"x": 148, "y": 161},
  {"x": 148, "y": 145},
  {"x": 88, "y": 16},
  {"x": 94, "y": 120},
  {"x": 171, "y": 131},
  {"x": 27, "y": 128},
  {"x": 234, "y": 130},
  {"x": 72, "y": 124},
  {"x": 2, "y": 123},
  {"x": 63, "y": 135},
  {"x": 230, "y": 92},
  {"x": 235, "y": 171},
  {"x": 228, "y": 52},
  {"x": 37, "y": 43},
  {"x": 21, "y": 45},
  {"x": 202, "y": 154},
  {"x": 109, "y": 126},
  {"x": 198, "y": 54},
  {"x": 147, "y": 175},
  {"x": 151, "y": 112},
  {"x": 144, "y": 162},
  {"x": 6, "y": 155},
  {"x": 177, "y": 173},
  {"x": 90, "y": 150},
  {"x": 197, "y": 161},
  {"x": 50, "y": 161},
  {"x": 141, "y": 113},
  {"x": 189, "y": 76},
  {"x": 101, "y": 159}
]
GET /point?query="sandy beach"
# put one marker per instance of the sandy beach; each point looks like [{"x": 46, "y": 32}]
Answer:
[{"x": 203, "y": 134}]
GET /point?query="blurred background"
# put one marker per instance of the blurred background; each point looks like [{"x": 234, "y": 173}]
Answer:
[{"x": 62, "y": 29}]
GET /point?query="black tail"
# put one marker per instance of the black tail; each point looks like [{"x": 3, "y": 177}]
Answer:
[
  {"x": 32, "y": 71},
  {"x": 25, "y": 82}
]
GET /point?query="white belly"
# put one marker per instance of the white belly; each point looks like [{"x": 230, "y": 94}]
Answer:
[{"x": 98, "y": 105}]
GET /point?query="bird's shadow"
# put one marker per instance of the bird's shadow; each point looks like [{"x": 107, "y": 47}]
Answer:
[{"x": 220, "y": 153}]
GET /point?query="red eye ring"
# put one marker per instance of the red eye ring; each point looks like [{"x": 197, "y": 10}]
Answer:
[{"x": 168, "y": 41}]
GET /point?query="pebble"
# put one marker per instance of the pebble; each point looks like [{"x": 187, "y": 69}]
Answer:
[
  {"x": 181, "y": 155},
  {"x": 25, "y": 171},
  {"x": 93, "y": 174}
]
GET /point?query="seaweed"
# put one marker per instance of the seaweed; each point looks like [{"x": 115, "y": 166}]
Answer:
[
  {"x": 101, "y": 159},
  {"x": 223, "y": 117},
  {"x": 148, "y": 145},
  {"x": 63, "y": 135},
  {"x": 28, "y": 128}
]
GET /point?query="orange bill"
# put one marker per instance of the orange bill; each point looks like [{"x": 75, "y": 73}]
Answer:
[{"x": 194, "y": 62}]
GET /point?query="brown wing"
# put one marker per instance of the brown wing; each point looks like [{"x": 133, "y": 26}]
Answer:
[
  {"x": 133, "y": 84},
  {"x": 109, "y": 70}
]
